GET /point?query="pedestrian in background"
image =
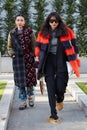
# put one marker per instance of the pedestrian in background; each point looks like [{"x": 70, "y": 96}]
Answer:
[
  {"x": 20, "y": 48},
  {"x": 56, "y": 44}
]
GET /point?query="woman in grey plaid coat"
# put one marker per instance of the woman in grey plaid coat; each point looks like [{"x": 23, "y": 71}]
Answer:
[{"x": 21, "y": 49}]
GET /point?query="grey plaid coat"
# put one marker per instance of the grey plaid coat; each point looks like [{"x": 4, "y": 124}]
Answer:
[{"x": 21, "y": 48}]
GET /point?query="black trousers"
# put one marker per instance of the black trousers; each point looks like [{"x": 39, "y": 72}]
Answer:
[{"x": 56, "y": 83}]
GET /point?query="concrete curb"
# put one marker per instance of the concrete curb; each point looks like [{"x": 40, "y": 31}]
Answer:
[
  {"x": 78, "y": 95},
  {"x": 6, "y": 103}
]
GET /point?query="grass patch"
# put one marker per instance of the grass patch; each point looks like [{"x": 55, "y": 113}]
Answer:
[
  {"x": 2, "y": 88},
  {"x": 83, "y": 86}
]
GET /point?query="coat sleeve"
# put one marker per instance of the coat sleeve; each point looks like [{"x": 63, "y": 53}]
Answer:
[
  {"x": 73, "y": 41},
  {"x": 9, "y": 46},
  {"x": 33, "y": 40},
  {"x": 77, "y": 62},
  {"x": 37, "y": 45}
]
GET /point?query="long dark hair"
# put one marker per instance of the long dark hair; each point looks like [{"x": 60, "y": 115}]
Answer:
[{"x": 61, "y": 29}]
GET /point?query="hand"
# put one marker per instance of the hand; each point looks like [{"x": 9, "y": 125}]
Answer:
[
  {"x": 13, "y": 56},
  {"x": 36, "y": 62},
  {"x": 37, "y": 59}
]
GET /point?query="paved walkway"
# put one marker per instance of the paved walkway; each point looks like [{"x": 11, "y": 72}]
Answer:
[{"x": 73, "y": 117}]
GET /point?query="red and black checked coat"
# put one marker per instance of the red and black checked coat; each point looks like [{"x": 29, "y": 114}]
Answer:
[
  {"x": 23, "y": 62},
  {"x": 69, "y": 45}
]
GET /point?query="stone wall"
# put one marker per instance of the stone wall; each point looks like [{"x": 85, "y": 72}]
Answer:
[
  {"x": 0, "y": 62},
  {"x": 6, "y": 65},
  {"x": 83, "y": 68}
]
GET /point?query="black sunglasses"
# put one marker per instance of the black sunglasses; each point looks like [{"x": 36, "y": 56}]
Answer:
[{"x": 53, "y": 20}]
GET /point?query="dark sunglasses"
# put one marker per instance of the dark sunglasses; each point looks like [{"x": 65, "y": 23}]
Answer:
[{"x": 53, "y": 20}]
